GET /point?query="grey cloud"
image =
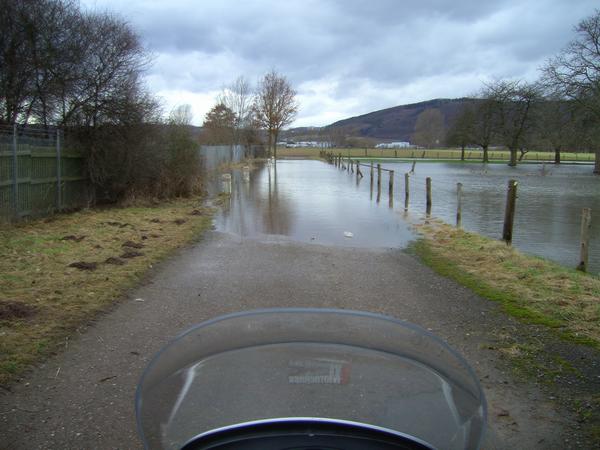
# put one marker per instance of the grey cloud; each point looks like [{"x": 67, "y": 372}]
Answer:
[{"x": 382, "y": 44}]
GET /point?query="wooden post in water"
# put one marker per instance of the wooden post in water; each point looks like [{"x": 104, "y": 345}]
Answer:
[
  {"x": 428, "y": 192},
  {"x": 406, "y": 190},
  {"x": 358, "y": 171},
  {"x": 586, "y": 224},
  {"x": 459, "y": 205},
  {"x": 509, "y": 214},
  {"x": 412, "y": 169},
  {"x": 378, "y": 182},
  {"x": 391, "y": 190}
]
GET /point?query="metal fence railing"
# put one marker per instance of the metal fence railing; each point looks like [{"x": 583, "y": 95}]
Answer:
[
  {"x": 38, "y": 174},
  {"x": 213, "y": 156}
]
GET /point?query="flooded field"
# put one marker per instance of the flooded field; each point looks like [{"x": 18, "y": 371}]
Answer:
[{"x": 314, "y": 202}]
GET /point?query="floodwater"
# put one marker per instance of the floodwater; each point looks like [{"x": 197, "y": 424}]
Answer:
[
  {"x": 314, "y": 202},
  {"x": 309, "y": 201}
]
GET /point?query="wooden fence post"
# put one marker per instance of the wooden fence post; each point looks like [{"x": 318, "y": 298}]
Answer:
[
  {"x": 428, "y": 192},
  {"x": 58, "y": 172},
  {"x": 458, "y": 205},
  {"x": 391, "y": 186},
  {"x": 406, "y": 190},
  {"x": 378, "y": 182},
  {"x": 509, "y": 214},
  {"x": 586, "y": 223}
]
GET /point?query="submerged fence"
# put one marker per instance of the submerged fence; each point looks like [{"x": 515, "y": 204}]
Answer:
[
  {"x": 38, "y": 175},
  {"x": 354, "y": 166}
]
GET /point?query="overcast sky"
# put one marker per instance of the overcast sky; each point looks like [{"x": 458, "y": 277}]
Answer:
[{"x": 345, "y": 57}]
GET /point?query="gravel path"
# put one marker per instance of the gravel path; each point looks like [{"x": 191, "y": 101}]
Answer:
[{"x": 83, "y": 397}]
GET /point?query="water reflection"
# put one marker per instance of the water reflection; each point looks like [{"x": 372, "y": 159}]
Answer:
[{"x": 309, "y": 201}]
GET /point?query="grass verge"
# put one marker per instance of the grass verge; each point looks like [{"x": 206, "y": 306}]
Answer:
[
  {"x": 57, "y": 274},
  {"x": 529, "y": 288}
]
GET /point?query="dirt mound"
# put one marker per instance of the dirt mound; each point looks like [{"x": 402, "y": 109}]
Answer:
[
  {"x": 115, "y": 261},
  {"x": 132, "y": 244},
  {"x": 82, "y": 265},
  {"x": 131, "y": 254},
  {"x": 10, "y": 310}
]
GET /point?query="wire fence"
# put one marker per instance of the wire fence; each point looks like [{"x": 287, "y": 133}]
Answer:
[{"x": 39, "y": 175}]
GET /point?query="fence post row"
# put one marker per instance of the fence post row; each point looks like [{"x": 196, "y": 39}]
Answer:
[
  {"x": 509, "y": 214},
  {"x": 586, "y": 224}
]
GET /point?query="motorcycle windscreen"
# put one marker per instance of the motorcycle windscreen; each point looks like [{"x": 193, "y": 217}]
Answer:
[{"x": 310, "y": 363}]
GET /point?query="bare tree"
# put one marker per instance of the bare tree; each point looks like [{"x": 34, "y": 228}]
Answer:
[
  {"x": 275, "y": 106},
  {"x": 429, "y": 128},
  {"x": 462, "y": 130},
  {"x": 557, "y": 125},
  {"x": 513, "y": 103},
  {"x": 484, "y": 118},
  {"x": 181, "y": 115},
  {"x": 238, "y": 98},
  {"x": 575, "y": 71}
]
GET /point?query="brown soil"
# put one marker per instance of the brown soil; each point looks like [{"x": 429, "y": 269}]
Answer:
[
  {"x": 82, "y": 265},
  {"x": 131, "y": 254}
]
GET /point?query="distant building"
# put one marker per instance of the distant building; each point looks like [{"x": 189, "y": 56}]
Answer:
[
  {"x": 393, "y": 145},
  {"x": 318, "y": 144}
]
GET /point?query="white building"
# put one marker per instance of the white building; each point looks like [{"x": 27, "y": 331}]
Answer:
[{"x": 393, "y": 145}]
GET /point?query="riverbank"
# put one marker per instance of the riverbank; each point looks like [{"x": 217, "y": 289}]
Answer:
[{"x": 57, "y": 274}]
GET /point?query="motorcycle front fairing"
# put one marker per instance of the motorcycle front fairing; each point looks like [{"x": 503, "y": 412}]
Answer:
[{"x": 335, "y": 374}]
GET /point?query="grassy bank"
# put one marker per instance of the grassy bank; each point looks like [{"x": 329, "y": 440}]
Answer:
[
  {"x": 443, "y": 154},
  {"x": 530, "y": 288},
  {"x": 57, "y": 274}
]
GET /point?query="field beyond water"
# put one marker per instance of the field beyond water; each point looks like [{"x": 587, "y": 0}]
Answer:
[
  {"x": 437, "y": 154},
  {"x": 57, "y": 274}
]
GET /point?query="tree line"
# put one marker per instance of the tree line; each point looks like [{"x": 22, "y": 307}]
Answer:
[
  {"x": 560, "y": 111},
  {"x": 61, "y": 66},
  {"x": 241, "y": 112}
]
